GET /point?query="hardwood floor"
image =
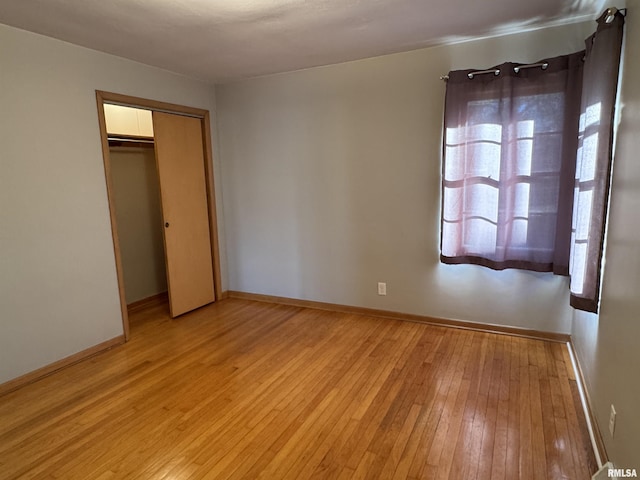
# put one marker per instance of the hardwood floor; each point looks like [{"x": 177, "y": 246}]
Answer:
[{"x": 251, "y": 390}]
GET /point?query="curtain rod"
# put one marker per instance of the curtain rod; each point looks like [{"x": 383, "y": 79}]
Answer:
[
  {"x": 496, "y": 71},
  {"x": 609, "y": 15}
]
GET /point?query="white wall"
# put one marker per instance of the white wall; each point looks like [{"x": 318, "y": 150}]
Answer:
[
  {"x": 332, "y": 184},
  {"x": 58, "y": 289},
  {"x": 607, "y": 345}
]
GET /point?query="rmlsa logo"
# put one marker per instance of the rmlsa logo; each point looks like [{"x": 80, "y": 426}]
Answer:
[{"x": 622, "y": 473}]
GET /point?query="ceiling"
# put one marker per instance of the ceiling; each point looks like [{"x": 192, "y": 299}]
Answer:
[{"x": 221, "y": 40}]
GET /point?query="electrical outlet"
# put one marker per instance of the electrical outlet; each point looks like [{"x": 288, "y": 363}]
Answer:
[
  {"x": 382, "y": 288},
  {"x": 612, "y": 420}
]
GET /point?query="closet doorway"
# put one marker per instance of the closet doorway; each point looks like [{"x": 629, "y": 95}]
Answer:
[{"x": 179, "y": 180}]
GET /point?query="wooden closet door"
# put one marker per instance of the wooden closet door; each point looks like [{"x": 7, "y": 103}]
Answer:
[{"x": 180, "y": 158}]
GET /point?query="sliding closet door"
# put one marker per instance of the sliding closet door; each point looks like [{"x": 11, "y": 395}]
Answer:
[{"x": 180, "y": 158}]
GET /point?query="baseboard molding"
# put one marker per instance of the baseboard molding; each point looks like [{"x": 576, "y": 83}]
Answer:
[
  {"x": 47, "y": 370},
  {"x": 152, "y": 301},
  {"x": 224, "y": 295},
  {"x": 442, "y": 322},
  {"x": 603, "y": 472},
  {"x": 589, "y": 413}
]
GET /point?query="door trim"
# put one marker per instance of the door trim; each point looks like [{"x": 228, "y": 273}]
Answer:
[{"x": 103, "y": 97}]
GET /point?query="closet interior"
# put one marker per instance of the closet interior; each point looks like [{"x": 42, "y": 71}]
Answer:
[{"x": 136, "y": 196}]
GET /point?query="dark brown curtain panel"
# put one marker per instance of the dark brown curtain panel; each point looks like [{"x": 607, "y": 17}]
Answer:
[
  {"x": 593, "y": 169},
  {"x": 509, "y": 165}
]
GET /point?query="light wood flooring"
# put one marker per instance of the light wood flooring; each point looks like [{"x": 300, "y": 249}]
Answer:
[{"x": 249, "y": 390}]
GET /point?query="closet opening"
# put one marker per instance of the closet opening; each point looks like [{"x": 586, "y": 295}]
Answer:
[
  {"x": 159, "y": 176},
  {"x": 136, "y": 195}
]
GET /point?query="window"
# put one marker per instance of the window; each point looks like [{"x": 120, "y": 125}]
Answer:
[
  {"x": 527, "y": 164},
  {"x": 594, "y": 161},
  {"x": 506, "y": 161}
]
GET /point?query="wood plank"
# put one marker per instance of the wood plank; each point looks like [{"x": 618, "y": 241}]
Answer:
[
  {"x": 445, "y": 322},
  {"x": 54, "y": 367},
  {"x": 242, "y": 389},
  {"x": 437, "y": 425},
  {"x": 501, "y": 446},
  {"x": 148, "y": 302}
]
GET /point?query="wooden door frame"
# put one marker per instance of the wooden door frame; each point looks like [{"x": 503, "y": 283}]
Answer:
[{"x": 103, "y": 97}]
